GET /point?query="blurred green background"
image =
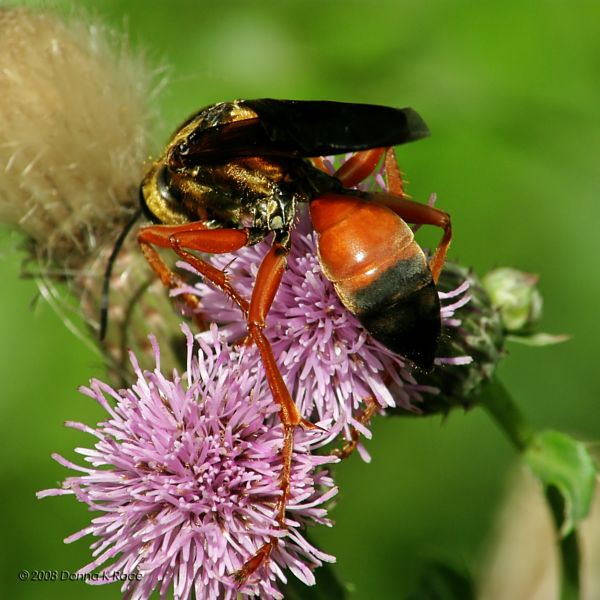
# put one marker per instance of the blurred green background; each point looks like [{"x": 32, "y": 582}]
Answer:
[{"x": 511, "y": 91}]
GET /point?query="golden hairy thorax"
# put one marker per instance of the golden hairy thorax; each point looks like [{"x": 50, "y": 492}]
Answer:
[{"x": 239, "y": 191}]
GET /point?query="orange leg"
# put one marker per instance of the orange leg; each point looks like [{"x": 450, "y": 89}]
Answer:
[
  {"x": 364, "y": 417},
  {"x": 267, "y": 283},
  {"x": 421, "y": 214},
  {"x": 359, "y": 166},
  {"x": 194, "y": 236},
  {"x": 392, "y": 174},
  {"x": 362, "y": 164},
  {"x": 415, "y": 212}
]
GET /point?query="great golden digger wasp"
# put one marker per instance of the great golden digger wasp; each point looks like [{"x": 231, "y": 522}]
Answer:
[{"x": 236, "y": 171}]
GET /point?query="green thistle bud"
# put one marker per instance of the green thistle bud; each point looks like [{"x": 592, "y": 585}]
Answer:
[
  {"x": 504, "y": 306},
  {"x": 515, "y": 294}
]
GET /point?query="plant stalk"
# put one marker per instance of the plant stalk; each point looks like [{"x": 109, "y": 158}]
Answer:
[{"x": 496, "y": 400}]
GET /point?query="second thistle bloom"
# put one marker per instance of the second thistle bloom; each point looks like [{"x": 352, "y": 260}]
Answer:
[{"x": 186, "y": 473}]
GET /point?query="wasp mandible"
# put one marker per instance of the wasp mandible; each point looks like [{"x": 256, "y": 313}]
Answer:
[{"x": 236, "y": 172}]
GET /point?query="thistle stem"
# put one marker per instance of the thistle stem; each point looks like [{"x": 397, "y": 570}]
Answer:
[
  {"x": 568, "y": 548},
  {"x": 496, "y": 400}
]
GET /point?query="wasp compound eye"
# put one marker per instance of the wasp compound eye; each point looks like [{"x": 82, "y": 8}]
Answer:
[{"x": 177, "y": 154}]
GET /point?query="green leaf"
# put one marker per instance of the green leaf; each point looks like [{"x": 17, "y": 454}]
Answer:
[
  {"x": 538, "y": 339},
  {"x": 328, "y": 586},
  {"x": 440, "y": 581},
  {"x": 561, "y": 462}
]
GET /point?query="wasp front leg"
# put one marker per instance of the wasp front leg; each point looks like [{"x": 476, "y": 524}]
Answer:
[{"x": 193, "y": 236}]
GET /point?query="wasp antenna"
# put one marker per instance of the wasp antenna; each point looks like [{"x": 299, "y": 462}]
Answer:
[{"x": 108, "y": 272}]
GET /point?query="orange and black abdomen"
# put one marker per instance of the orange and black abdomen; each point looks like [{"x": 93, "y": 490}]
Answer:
[{"x": 380, "y": 273}]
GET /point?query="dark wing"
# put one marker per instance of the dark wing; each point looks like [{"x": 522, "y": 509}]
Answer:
[
  {"x": 305, "y": 128},
  {"x": 318, "y": 128}
]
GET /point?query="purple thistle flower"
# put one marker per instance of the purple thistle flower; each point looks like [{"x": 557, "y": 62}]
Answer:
[
  {"x": 328, "y": 360},
  {"x": 186, "y": 474}
]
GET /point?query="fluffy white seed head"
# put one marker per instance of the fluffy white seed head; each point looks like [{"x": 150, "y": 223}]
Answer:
[
  {"x": 75, "y": 121},
  {"x": 73, "y": 132}
]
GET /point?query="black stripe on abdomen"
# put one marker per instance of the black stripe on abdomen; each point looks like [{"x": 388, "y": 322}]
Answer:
[{"x": 401, "y": 309}]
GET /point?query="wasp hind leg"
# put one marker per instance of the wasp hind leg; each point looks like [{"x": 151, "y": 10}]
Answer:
[
  {"x": 359, "y": 166},
  {"x": 267, "y": 283},
  {"x": 421, "y": 214},
  {"x": 395, "y": 183},
  {"x": 362, "y": 164},
  {"x": 415, "y": 212}
]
